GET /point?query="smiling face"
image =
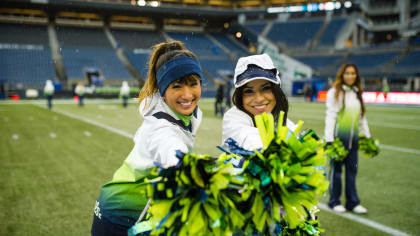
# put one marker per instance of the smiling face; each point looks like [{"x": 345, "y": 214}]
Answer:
[
  {"x": 258, "y": 97},
  {"x": 183, "y": 95},
  {"x": 349, "y": 76}
]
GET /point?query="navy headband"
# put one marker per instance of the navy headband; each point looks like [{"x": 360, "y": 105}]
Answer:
[
  {"x": 254, "y": 71},
  {"x": 176, "y": 69}
]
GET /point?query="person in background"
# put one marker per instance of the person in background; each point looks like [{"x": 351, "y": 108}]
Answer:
[
  {"x": 218, "y": 105},
  {"x": 228, "y": 93},
  {"x": 257, "y": 90},
  {"x": 80, "y": 92},
  {"x": 345, "y": 117},
  {"x": 49, "y": 92},
  {"x": 308, "y": 91},
  {"x": 169, "y": 106},
  {"x": 385, "y": 87},
  {"x": 124, "y": 93}
]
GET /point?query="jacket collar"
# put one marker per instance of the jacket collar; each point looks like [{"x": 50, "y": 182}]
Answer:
[{"x": 350, "y": 88}]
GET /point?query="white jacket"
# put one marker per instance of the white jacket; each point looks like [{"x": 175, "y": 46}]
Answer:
[
  {"x": 239, "y": 126},
  {"x": 352, "y": 108},
  {"x": 125, "y": 89},
  {"x": 79, "y": 90},
  {"x": 157, "y": 139},
  {"x": 49, "y": 88}
]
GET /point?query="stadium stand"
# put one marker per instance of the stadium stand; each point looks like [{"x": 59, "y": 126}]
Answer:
[
  {"x": 331, "y": 32},
  {"x": 319, "y": 62},
  {"x": 25, "y": 56},
  {"x": 322, "y": 39},
  {"x": 198, "y": 43},
  {"x": 231, "y": 45},
  {"x": 408, "y": 63},
  {"x": 137, "y": 45},
  {"x": 295, "y": 33},
  {"x": 132, "y": 38},
  {"x": 211, "y": 56},
  {"x": 89, "y": 47},
  {"x": 371, "y": 62},
  {"x": 256, "y": 27}
]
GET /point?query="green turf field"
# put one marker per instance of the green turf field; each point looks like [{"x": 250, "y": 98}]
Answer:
[{"x": 53, "y": 165}]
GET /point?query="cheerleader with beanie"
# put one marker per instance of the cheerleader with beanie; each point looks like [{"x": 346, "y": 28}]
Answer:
[{"x": 257, "y": 90}]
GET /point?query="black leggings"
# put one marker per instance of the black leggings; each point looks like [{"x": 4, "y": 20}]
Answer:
[{"x": 104, "y": 227}]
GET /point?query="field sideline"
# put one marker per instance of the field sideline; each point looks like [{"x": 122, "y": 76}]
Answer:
[{"x": 55, "y": 165}]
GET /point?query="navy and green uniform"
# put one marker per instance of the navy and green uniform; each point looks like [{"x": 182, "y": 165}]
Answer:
[
  {"x": 162, "y": 133},
  {"x": 49, "y": 92},
  {"x": 125, "y": 92},
  {"x": 344, "y": 120}
]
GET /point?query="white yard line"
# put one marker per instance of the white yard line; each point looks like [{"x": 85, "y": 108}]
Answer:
[
  {"x": 380, "y": 124},
  {"x": 400, "y": 149},
  {"x": 358, "y": 219},
  {"x": 92, "y": 122},
  {"x": 364, "y": 221},
  {"x": 384, "y": 146}
]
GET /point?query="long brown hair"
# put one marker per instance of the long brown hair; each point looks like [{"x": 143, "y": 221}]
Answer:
[
  {"x": 161, "y": 53},
  {"x": 339, "y": 81},
  {"x": 281, "y": 102}
]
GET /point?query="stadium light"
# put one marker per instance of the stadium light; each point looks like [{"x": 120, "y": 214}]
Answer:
[
  {"x": 276, "y": 9},
  {"x": 312, "y": 7},
  {"x": 347, "y": 4},
  {"x": 154, "y": 3},
  {"x": 329, "y": 6},
  {"x": 141, "y": 3},
  {"x": 295, "y": 8},
  {"x": 337, "y": 5}
]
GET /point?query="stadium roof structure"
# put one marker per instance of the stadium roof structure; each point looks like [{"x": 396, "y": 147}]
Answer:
[{"x": 204, "y": 10}]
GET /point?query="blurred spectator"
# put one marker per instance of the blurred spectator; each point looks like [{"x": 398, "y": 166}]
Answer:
[
  {"x": 308, "y": 91},
  {"x": 228, "y": 93},
  {"x": 100, "y": 82},
  {"x": 94, "y": 79},
  {"x": 2, "y": 89},
  {"x": 80, "y": 92},
  {"x": 124, "y": 93},
  {"x": 219, "y": 108},
  {"x": 385, "y": 87},
  {"x": 49, "y": 92}
]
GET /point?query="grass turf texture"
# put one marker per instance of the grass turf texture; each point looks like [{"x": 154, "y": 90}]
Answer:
[{"x": 50, "y": 184}]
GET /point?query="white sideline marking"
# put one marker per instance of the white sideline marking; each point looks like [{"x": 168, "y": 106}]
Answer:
[
  {"x": 400, "y": 149},
  {"x": 380, "y": 124},
  {"x": 53, "y": 135},
  {"x": 87, "y": 133},
  {"x": 92, "y": 122},
  {"x": 15, "y": 136},
  {"x": 361, "y": 220},
  {"x": 364, "y": 221}
]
